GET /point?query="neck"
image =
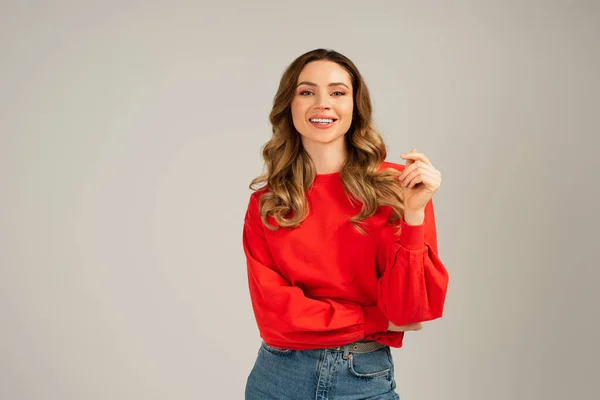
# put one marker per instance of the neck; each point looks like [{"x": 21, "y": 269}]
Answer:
[{"x": 328, "y": 157}]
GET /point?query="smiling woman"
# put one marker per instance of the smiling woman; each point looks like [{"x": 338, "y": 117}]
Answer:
[
  {"x": 341, "y": 253},
  {"x": 323, "y": 101}
]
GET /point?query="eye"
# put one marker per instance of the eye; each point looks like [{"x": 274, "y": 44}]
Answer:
[{"x": 336, "y": 93}]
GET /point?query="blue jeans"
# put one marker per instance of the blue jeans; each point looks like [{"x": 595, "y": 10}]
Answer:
[{"x": 323, "y": 374}]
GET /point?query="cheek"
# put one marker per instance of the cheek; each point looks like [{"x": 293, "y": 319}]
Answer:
[
  {"x": 297, "y": 110},
  {"x": 346, "y": 113},
  {"x": 347, "y": 109}
]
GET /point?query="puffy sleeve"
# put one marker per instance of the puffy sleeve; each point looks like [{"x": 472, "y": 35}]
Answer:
[
  {"x": 284, "y": 314},
  {"x": 414, "y": 282}
]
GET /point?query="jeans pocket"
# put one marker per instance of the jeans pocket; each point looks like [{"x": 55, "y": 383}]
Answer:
[
  {"x": 375, "y": 364},
  {"x": 275, "y": 350}
]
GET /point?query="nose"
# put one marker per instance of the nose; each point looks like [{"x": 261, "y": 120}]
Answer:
[{"x": 322, "y": 102}]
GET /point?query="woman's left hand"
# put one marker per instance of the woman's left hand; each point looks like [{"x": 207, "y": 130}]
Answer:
[
  {"x": 417, "y": 326},
  {"x": 420, "y": 180}
]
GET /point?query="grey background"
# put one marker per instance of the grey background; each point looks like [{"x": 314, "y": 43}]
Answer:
[{"x": 130, "y": 131}]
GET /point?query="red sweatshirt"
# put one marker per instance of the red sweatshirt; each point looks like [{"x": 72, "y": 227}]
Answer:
[{"x": 325, "y": 284}]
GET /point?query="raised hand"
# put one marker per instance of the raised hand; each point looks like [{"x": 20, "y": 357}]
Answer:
[{"x": 420, "y": 180}]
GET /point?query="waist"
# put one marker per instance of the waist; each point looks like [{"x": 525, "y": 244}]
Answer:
[{"x": 359, "y": 346}]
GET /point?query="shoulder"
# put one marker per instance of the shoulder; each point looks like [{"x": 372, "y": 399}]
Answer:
[
  {"x": 254, "y": 200},
  {"x": 259, "y": 192},
  {"x": 388, "y": 164}
]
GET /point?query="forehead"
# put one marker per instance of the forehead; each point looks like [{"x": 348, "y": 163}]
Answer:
[{"x": 324, "y": 72}]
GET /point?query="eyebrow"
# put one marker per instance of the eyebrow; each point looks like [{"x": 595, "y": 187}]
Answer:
[{"x": 331, "y": 84}]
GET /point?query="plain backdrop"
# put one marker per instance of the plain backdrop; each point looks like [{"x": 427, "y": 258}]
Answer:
[{"x": 130, "y": 130}]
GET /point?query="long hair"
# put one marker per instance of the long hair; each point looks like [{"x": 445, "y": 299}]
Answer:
[{"x": 290, "y": 171}]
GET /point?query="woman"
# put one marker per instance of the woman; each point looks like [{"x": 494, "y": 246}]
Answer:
[{"x": 341, "y": 245}]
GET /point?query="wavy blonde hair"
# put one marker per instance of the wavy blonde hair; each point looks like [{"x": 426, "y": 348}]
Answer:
[{"x": 290, "y": 171}]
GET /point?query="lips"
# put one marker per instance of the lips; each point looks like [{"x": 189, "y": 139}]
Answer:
[
  {"x": 319, "y": 125},
  {"x": 321, "y": 116}
]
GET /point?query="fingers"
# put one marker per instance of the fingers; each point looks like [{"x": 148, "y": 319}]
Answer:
[
  {"x": 414, "y": 160},
  {"x": 407, "y": 328},
  {"x": 416, "y": 169},
  {"x": 410, "y": 327},
  {"x": 415, "y": 181},
  {"x": 414, "y": 156},
  {"x": 417, "y": 327},
  {"x": 419, "y": 169}
]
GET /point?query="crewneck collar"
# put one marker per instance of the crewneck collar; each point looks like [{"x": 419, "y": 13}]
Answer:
[{"x": 331, "y": 177}]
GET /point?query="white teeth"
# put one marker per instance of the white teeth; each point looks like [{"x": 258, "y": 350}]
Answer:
[{"x": 321, "y": 120}]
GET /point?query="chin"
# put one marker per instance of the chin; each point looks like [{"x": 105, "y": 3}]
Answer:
[{"x": 324, "y": 139}]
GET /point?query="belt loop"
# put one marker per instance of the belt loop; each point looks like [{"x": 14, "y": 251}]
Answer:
[{"x": 346, "y": 351}]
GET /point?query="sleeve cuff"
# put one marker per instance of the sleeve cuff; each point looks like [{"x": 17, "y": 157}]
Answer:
[
  {"x": 412, "y": 237},
  {"x": 375, "y": 321}
]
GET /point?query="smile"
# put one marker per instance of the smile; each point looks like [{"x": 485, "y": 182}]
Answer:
[{"x": 322, "y": 123}]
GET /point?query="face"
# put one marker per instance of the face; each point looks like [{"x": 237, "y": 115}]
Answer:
[{"x": 324, "y": 91}]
